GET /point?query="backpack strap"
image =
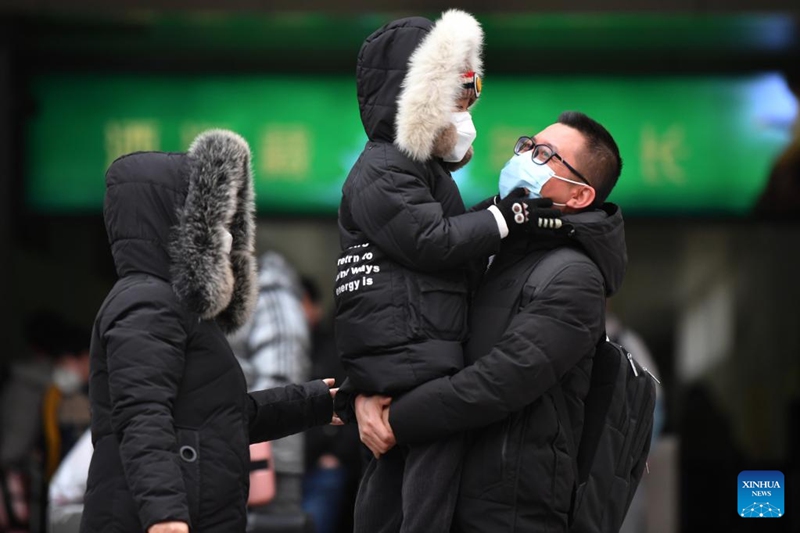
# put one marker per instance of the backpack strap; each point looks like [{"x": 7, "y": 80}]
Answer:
[{"x": 560, "y": 403}]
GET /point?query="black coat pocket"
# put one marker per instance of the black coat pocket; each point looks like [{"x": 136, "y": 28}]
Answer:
[{"x": 443, "y": 307}]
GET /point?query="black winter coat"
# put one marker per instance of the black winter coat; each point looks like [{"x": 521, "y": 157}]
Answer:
[
  {"x": 171, "y": 417},
  {"x": 403, "y": 282},
  {"x": 518, "y": 473}
]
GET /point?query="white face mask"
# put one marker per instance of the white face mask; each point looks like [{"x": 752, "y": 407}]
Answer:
[
  {"x": 521, "y": 171},
  {"x": 466, "y": 135},
  {"x": 227, "y": 242},
  {"x": 67, "y": 380}
]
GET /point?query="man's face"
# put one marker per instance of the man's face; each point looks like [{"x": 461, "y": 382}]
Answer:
[{"x": 569, "y": 144}]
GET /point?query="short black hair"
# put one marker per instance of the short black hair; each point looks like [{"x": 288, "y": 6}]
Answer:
[
  {"x": 311, "y": 289},
  {"x": 53, "y": 336},
  {"x": 45, "y": 331},
  {"x": 76, "y": 341},
  {"x": 602, "y": 162}
]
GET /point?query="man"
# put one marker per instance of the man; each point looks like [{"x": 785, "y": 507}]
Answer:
[{"x": 527, "y": 340}]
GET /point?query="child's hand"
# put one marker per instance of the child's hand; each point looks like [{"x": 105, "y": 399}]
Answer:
[{"x": 523, "y": 214}]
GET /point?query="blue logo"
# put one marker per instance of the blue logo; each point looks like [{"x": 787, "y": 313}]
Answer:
[{"x": 761, "y": 494}]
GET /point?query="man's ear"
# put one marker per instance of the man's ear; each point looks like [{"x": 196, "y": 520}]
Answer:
[{"x": 582, "y": 197}]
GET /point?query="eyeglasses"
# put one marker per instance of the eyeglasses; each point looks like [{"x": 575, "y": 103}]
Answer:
[{"x": 542, "y": 153}]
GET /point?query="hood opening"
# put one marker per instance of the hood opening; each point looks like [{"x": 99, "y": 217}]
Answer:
[
  {"x": 410, "y": 76},
  {"x": 166, "y": 215}
]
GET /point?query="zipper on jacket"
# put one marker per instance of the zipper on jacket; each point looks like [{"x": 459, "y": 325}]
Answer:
[{"x": 523, "y": 431}]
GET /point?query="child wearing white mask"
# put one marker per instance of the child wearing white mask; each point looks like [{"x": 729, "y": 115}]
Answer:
[
  {"x": 454, "y": 142},
  {"x": 411, "y": 252}
]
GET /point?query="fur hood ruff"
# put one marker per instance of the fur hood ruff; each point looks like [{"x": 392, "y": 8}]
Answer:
[
  {"x": 432, "y": 85},
  {"x": 219, "y": 196},
  {"x": 166, "y": 214}
]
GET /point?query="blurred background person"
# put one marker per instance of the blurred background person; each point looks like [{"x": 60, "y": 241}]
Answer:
[
  {"x": 66, "y": 414},
  {"x": 65, "y": 408},
  {"x": 67, "y": 487},
  {"x": 273, "y": 349},
  {"x": 710, "y": 457},
  {"x": 781, "y": 196},
  {"x": 332, "y": 458},
  {"x": 45, "y": 409},
  {"x": 21, "y": 398},
  {"x": 24, "y": 390}
]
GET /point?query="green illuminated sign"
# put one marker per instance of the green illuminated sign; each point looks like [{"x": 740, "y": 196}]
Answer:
[{"x": 696, "y": 145}]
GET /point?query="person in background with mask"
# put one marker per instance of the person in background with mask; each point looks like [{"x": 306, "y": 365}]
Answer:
[
  {"x": 21, "y": 445},
  {"x": 65, "y": 407},
  {"x": 21, "y": 397},
  {"x": 66, "y": 415},
  {"x": 534, "y": 324},
  {"x": 410, "y": 249}
]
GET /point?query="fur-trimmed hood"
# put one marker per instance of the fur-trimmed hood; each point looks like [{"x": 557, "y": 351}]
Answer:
[
  {"x": 409, "y": 78},
  {"x": 166, "y": 213}
]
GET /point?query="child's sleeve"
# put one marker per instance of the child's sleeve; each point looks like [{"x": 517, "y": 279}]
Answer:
[{"x": 398, "y": 213}]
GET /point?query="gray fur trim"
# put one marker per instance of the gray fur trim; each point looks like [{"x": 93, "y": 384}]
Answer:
[{"x": 219, "y": 197}]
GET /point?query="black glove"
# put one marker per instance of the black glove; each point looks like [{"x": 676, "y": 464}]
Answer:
[
  {"x": 542, "y": 215},
  {"x": 522, "y": 214}
]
